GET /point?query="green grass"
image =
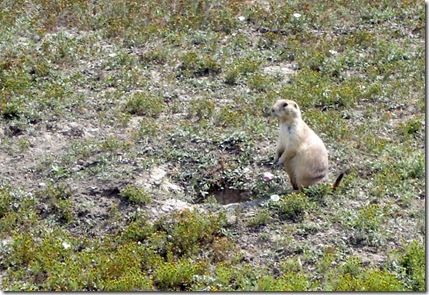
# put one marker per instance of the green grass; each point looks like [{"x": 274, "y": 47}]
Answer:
[{"x": 96, "y": 97}]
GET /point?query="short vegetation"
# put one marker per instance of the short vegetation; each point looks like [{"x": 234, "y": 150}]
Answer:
[{"x": 134, "y": 136}]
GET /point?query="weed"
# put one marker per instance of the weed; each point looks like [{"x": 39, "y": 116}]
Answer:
[
  {"x": 135, "y": 194},
  {"x": 371, "y": 280},
  {"x": 148, "y": 128},
  {"x": 229, "y": 277},
  {"x": 144, "y": 104},
  {"x": 202, "y": 108},
  {"x": 291, "y": 207},
  {"x": 260, "y": 83},
  {"x": 409, "y": 264},
  {"x": 195, "y": 66},
  {"x": 263, "y": 217},
  {"x": 5, "y": 202},
  {"x": 11, "y": 110},
  {"x": 318, "y": 192},
  {"x": 231, "y": 77},
  {"x": 289, "y": 281},
  {"x": 228, "y": 116},
  {"x": 369, "y": 217},
  {"x": 367, "y": 225},
  {"x": 178, "y": 275},
  {"x": 57, "y": 200},
  {"x": 113, "y": 144},
  {"x": 411, "y": 127},
  {"x": 189, "y": 232}
]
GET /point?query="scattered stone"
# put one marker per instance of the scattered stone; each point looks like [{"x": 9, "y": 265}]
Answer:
[
  {"x": 275, "y": 198},
  {"x": 157, "y": 174},
  {"x": 175, "y": 205},
  {"x": 267, "y": 176}
]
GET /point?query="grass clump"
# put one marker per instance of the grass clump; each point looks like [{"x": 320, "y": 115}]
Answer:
[
  {"x": 201, "y": 109},
  {"x": 57, "y": 200},
  {"x": 161, "y": 256},
  {"x": 5, "y": 202},
  {"x": 244, "y": 68},
  {"x": 368, "y": 226},
  {"x": 371, "y": 280},
  {"x": 261, "y": 218},
  {"x": 291, "y": 207},
  {"x": 189, "y": 233},
  {"x": 179, "y": 275},
  {"x": 193, "y": 65},
  {"x": 290, "y": 281},
  {"x": 409, "y": 264},
  {"x": 135, "y": 194},
  {"x": 144, "y": 104}
]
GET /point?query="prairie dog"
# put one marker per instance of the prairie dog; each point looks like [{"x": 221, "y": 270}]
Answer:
[{"x": 299, "y": 148}]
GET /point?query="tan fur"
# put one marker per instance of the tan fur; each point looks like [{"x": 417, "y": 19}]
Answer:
[{"x": 299, "y": 148}]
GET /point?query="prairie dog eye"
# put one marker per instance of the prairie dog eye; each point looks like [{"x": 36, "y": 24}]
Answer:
[
  {"x": 295, "y": 105},
  {"x": 284, "y": 105}
]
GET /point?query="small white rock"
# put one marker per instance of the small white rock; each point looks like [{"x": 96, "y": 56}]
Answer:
[
  {"x": 275, "y": 198},
  {"x": 267, "y": 176},
  {"x": 297, "y": 15},
  {"x": 66, "y": 245},
  {"x": 241, "y": 18}
]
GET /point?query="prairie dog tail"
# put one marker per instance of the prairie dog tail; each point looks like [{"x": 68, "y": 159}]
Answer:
[{"x": 337, "y": 181}]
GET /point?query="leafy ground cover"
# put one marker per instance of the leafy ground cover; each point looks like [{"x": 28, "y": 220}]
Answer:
[{"x": 135, "y": 136}]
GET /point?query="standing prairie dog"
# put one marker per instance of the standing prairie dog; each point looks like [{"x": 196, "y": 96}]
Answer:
[{"x": 299, "y": 148}]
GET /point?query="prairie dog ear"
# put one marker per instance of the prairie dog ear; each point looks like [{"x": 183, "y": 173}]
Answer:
[{"x": 295, "y": 105}]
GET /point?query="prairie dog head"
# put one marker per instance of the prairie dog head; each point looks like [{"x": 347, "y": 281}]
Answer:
[{"x": 286, "y": 110}]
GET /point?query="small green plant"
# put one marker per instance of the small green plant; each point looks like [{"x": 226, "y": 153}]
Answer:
[
  {"x": 261, "y": 218},
  {"x": 367, "y": 225},
  {"x": 410, "y": 263},
  {"x": 258, "y": 82},
  {"x": 154, "y": 56},
  {"x": 230, "y": 277},
  {"x": 353, "y": 266},
  {"x": 411, "y": 127},
  {"x": 137, "y": 231},
  {"x": 246, "y": 66},
  {"x": 11, "y": 110},
  {"x": 291, "y": 207},
  {"x": 148, "y": 127},
  {"x": 231, "y": 77},
  {"x": 369, "y": 218},
  {"x": 193, "y": 65},
  {"x": 189, "y": 232},
  {"x": 202, "y": 108},
  {"x": 144, "y": 104},
  {"x": 318, "y": 192},
  {"x": 135, "y": 194},
  {"x": 5, "y": 202},
  {"x": 112, "y": 144},
  {"x": 289, "y": 281},
  {"x": 229, "y": 117},
  {"x": 178, "y": 275},
  {"x": 58, "y": 200},
  {"x": 370, "y": 280}
]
